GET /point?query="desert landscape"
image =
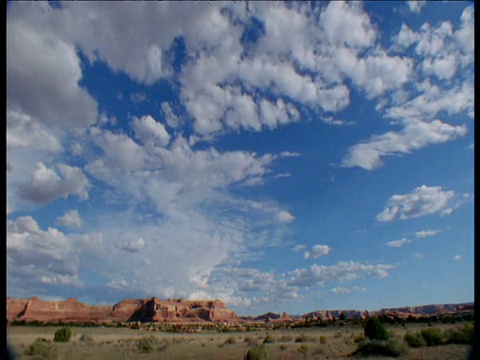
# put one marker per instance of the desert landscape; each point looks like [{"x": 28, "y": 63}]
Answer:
[{"x": 207, "y": 329}]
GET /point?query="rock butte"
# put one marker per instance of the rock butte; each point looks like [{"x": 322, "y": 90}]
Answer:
[{"x": 185, "y": 311}]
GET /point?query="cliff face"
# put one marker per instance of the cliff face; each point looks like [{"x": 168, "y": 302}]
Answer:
[
  {"x": 144, "y": 310},
  {"x": 34, "y": 309},
  {"x": 180, "y": 310}
]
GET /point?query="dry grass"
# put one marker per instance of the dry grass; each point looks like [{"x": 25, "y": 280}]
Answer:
[{"x": 120, "y": 343}]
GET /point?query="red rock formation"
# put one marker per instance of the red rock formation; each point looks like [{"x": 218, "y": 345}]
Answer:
[
  {"x": 35, "y": 309},
  {"x": 143, "y": 310}
]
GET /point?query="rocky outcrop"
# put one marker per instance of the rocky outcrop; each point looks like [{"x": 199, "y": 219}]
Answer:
[
  {"x": 143, "y": 310},
  {"x": 34, "y": 309},
  {"x": 190, "y": 311}
]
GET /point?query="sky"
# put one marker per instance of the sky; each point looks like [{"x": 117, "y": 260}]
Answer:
[{"x": 277, "y": 156}]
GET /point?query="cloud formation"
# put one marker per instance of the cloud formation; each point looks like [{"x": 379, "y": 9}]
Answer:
[{"x": 422, "y": 201}]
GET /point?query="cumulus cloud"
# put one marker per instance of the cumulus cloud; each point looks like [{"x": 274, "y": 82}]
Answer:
[
  {"x": 344, "y": 290},
  {"x": 415, "y": 135},
  {"x": 25, "y": 132},
  {"x": 317, "y": 251},
  {"x": 398, "y": 243},
  {"x": 416, "y": 6},
  {"x": 150, "y": 132},
  {"x": 133, "y": 246},
  {"x": 426, "y": 233},
  {"x": 35, "y": 255},
  {"x": 422, "y": 201},
  {"x": 48, "y": 185},
  {"x": 71, "y": 218},
  {"x": 47, "y": 71}
]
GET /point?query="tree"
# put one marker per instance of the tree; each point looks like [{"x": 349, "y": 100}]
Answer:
[{"x": 375, "y": 330}]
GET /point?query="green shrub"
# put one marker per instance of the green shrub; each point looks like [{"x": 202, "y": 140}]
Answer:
[
  {"x": 63, "y": 335},
  {"x": 38, "y": 347},
  {"x": 375, "y": 330},
  {"x": 87, "y": 338},
  {"x": 391, "y": 348},
  {"x": 414, "y": 340},
  {"x": 302, "y": 338},
  {"x": 303, "y": 349},
  {"x": 433, "y": 336},
  {"x": 230, "y": 341},
  {"x": 358, "y": 338},
  {"x": 464, "y": 335},
  {"x": 268, "y": 339},
  {"x": 323, "y": 339},
  {"x": 148, "y": 344},
  {"x": 256, "y": 353}
]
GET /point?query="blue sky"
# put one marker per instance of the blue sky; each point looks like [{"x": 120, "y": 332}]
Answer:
[{"x": 276, "y": 156}]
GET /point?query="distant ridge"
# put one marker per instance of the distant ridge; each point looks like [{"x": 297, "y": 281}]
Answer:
[{"x": 188, "y": 311}]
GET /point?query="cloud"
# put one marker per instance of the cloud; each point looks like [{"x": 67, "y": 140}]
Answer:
[
  {"x": 48, "y": 185},
  {"x": 299, "y": 247},
  {"x": 457, "y": 257},
  {"x": 24, "y": 132},
  {"x": 398, "y": 243},
  {"x": 344, "y": 290},
  {"x": 317, "y": 251},
  {"x": 416, "y": 6},
  {"x": 35, "y": 256},
  {"x": 426, "y": 233},
  {"x": 71, "y": 218},
  {"x": 133, "y": 246},
  {"x": 415, "y": 135},
  {"x": 150, "y": 132},
  {"x": 422, "y": 201},
  {"x": 47, "y": 71}
]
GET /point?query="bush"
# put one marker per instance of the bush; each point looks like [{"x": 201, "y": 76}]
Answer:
[
  {"x": 230, "y": 341},
  {"x": 464, "y": 335},
  {"x": 323, "y": 339},
  {"x": 303, "y": 349},
  {"x": 256, "y": 353},
  {"x": 358, "y": 338},
  {"x": 375, "y": 330},
  {"x": 87, "y": 338},
  {"x": 268, "y": 339},
  {"x": 38, "y": 347},
  {"x": 433, "y": 336},
  {"x": 391, "y": 348},
  {"x": 63, "y": 335},
  {"x": 148, "y": 343},
  {"x": 414, "y": 340},
  {"x": 302, "y": 338}
]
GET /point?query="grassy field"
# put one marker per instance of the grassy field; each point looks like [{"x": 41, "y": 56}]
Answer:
[{"x": 95, "y": 343}]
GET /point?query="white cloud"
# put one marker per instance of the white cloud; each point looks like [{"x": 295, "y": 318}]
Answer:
[
  {"x": 457, "y": 257},
  {"x": 24, "y": 132},
  {"x": 48, "y": 185},
  {"x": 46, "y": 70},
  {"x": 344, "y": 290},
  {"x": 317, "y": 251},
  {"x": 299, "y": 247},
  {"x": 347, "y": 23},
  {"x": 150, "y": 132},
  {"x": 71, "y": 218},
  {"x": 133, "y": 246},
  {"x": 398, "y": 243},
  {"x": 422, "y": 201},
  {"x": 170, "y": 117},
  {"x": 426, "y": 233},
  {"x": 284, "y": 216},
  {"x": 415, "y": 135},
  {"x": 35, "y": 256},
  {"x": 442, "y": 67},
  {"x": 416, "y": 6}
]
